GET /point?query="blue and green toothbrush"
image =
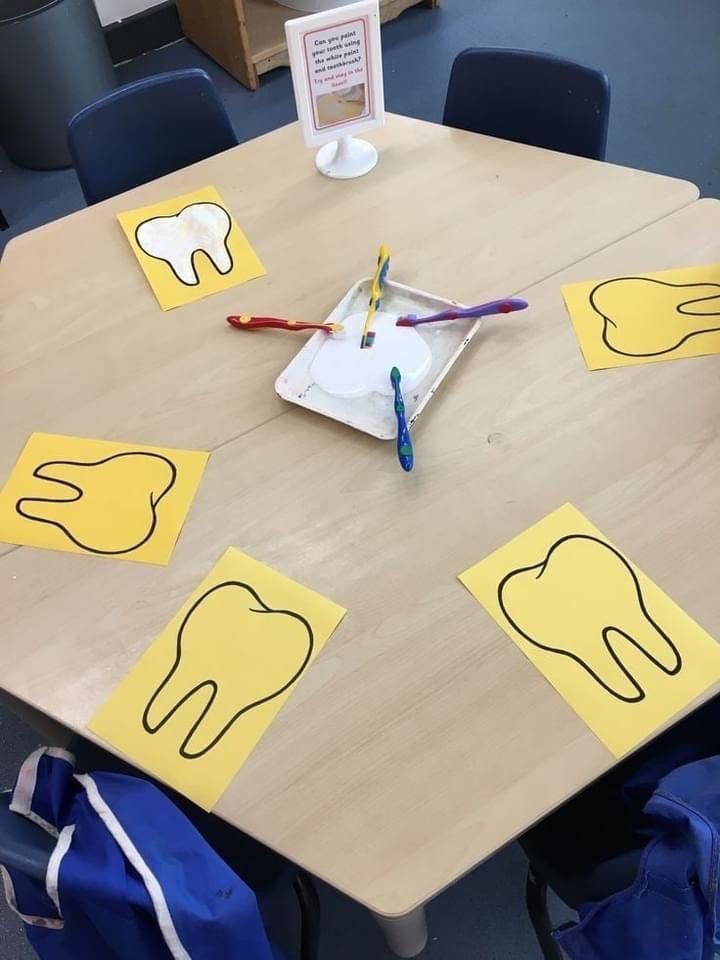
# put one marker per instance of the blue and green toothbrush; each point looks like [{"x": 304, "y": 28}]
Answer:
[{"x": 404, "y": 443}]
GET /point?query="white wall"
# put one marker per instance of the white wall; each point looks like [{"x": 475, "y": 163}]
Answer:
[{"x": 112, "y": 10}]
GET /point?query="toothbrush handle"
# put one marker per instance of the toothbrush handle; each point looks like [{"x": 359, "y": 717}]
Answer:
[
  {"x": 404, "y": 443},
  {"x": 256, "y": 323},
  {"x": 509, "y": 305}
]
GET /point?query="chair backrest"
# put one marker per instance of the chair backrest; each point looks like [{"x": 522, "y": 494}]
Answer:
[
  {"x": 146, "y": 129},
  {"x": 533, "y": 98},
  {"x": 24, "y": 846}
]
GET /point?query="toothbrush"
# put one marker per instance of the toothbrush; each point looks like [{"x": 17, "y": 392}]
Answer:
[
  {"x": 465, "y": 313},
  {"x": 376, "y": 291},
  {"x": 245, "y": 322},
  {"x": 404, "y": 443}
]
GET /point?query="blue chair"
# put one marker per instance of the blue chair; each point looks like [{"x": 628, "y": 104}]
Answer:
[
  {"x": 532, "y": 98},
  {"x": 23, "y": 846},
  {"x": 592, "y": 847},
  {"x": 26, "y": 848},
  {"x": 146, "y": 129},
  {"x": 585, "y": 852}
]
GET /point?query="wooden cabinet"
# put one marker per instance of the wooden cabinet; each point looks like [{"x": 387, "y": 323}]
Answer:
[{"x": 247, "y": 37}]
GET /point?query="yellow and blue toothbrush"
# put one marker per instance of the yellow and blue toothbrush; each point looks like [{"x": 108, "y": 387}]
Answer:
[
  {"x": 376, "y": 292},
  {"x": 404, "y": 443}
]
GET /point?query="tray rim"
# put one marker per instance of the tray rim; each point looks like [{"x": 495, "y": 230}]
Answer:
[{"x": 432, "y": 388}]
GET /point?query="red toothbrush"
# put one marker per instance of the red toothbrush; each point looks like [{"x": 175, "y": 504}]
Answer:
[{"x": 245, "y": 322}]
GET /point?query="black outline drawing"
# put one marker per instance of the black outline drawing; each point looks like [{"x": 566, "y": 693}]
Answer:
[
  {"x": 174, "y": 216},
  {"x": 211, "y": 684},
  {"x": 606, "y": 630},
  {"x": 679, "y": 309},
  {"x": 79, "y": 493}
]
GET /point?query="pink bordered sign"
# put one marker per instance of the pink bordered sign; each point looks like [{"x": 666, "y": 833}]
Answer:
[{"x": 336, "y": 63}]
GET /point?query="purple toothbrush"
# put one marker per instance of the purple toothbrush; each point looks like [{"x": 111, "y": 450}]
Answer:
[{"x": 467, "y": 313}]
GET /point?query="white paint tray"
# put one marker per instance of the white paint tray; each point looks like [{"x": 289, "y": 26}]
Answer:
[{"x": 374, "y": 413}]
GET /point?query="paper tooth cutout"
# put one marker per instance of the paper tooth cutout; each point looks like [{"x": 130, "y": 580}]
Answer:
[
  {"x": 618, "y": 650},
  {"x": 195, "y": 705},
  {"x": 189, "y": 247},
  {"x": 536, "y": 603},
  {"x": 669, "y": 315},
  {"x": 222, "y": 695},
  {"x": 99, "y": 497},
  {"x": 647, "y": 318},
  {"x": 85, "y": 493},
  {"x": 198, "y": 228}
]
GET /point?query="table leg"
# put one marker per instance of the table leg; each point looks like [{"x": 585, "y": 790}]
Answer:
[{"x": 405, "y": 936}]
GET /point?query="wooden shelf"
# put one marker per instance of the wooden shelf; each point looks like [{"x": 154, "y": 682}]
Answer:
[
  {"x": 247, "y": 37},
  {"x": 266, "y": 29}
]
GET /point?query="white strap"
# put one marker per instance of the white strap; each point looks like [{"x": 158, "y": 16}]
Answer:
[
  {"x": 24, "y": 792},
  {"x": 47, "y": 922},
  {"x": 52, "y": 875}
]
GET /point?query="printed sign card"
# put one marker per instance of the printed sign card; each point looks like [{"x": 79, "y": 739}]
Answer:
[{"x": 336, "y": 63}]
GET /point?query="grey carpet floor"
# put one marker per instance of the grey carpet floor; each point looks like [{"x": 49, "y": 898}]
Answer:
[{"x": 661, "y": 56}]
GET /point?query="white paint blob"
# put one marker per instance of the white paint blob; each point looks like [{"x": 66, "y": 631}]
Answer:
[
  {"x": 198, "y": 228},
  {"x": 342, "y": 369}
]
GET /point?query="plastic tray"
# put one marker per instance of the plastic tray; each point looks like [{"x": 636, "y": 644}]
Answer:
[{"x": 374, "y": 413}]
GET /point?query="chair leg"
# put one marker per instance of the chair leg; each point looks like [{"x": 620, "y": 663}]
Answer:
[
  {"x": 307, "y": 895},
  {"x": 536, "y": 899}
]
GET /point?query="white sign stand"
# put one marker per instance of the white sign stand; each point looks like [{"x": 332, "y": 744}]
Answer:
[
  {"x": 336, "y": 63},
  {"x": 346, "y": 158}
]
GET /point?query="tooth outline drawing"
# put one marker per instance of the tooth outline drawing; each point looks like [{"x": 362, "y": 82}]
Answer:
[
  {"x": 541, "y": 566},
  {"x": 79, "y": 493},
  {"x": 196, "y": 250},
  {"x": 212, "y": 684},
  {"x": 679, "y": 308}
]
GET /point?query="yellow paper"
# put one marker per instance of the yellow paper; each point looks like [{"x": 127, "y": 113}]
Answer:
[
  {"x": 647, "y": 317},
  {"x": 193, "y": 708},
  {"x": 190, "y": 247},
  {"x": 623, "y": 655},
  {"x": 96, "y": 496}
]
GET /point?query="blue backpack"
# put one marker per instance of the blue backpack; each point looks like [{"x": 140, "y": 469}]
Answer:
[{"x": 128, "y": 876}]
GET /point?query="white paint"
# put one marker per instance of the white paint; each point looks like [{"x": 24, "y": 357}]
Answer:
[
  {"x": 199, "y": 228},
  {"x": 110, "y": 11},
  {"x": 342, "y": 369}
]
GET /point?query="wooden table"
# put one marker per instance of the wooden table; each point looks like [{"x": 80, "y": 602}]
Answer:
[
  {"x": 421, "y": 741},
  {"x": 85, "y": 349}
]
